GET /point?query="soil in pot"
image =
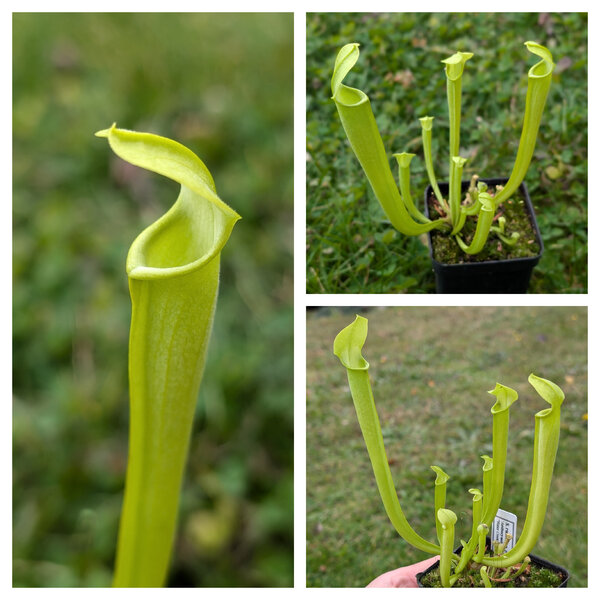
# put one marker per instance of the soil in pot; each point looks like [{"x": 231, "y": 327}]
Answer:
[
  {"x": 446, "y": 250},
  {"x": 534, "y": 576}
]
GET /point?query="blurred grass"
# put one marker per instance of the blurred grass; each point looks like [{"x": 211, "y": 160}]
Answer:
[
  {"x": 430, "y": 369},
  {"x": 221, "y": 84},
  {"x": 350, "y": 246}
]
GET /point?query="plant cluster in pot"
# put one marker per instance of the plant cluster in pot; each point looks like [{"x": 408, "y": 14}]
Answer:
[
  {"x": 533, "y": 571},
  {"x": 484, "y": 237},
  {"x": 470, "y": 565}
]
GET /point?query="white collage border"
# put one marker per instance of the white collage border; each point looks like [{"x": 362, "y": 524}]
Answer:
[{"x": 301, "y": 299}]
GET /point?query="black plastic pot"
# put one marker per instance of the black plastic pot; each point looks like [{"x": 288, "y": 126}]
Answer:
[
  {"x": 535, "y": 560},
  {"x": 508, "y": 276}
]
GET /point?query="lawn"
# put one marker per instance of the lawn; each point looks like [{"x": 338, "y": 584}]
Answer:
[
  {"x": 351, "y": 248},
  {"x": 221, "y": 84},
  {"x": 430, "y": 369}
]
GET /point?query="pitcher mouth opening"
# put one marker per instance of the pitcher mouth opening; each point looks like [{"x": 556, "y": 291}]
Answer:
[
  {"x": 546, "y": 66},
  {"x": 349, "y": 96},
  {"x": 187, "y": 237}
]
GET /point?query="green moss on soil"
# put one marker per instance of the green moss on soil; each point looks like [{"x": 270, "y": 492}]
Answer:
[
  {"x": 538, "y": 577},
  {"x": 446, "y": 249}
]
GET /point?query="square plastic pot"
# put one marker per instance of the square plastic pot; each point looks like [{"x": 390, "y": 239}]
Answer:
[
  {"x": 535, "y": 560},
  {"x": 507, "y": 276}
]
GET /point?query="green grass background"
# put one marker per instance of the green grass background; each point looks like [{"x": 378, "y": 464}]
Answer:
[
  {"x": 221, "y": 84},
  {"x": 350, "y": 246},
  {"x": 430, "y": 369}
]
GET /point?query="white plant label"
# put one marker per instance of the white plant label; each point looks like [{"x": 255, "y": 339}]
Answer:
[{"x": 504, "y": 522}]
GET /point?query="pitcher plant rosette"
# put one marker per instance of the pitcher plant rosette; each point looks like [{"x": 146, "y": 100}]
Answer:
[
  {"x": 480, "y": 203},
  {"x": 485, "y": 501}
]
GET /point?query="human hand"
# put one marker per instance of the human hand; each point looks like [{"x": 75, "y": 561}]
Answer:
[{"x": 404, "y": 577}]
